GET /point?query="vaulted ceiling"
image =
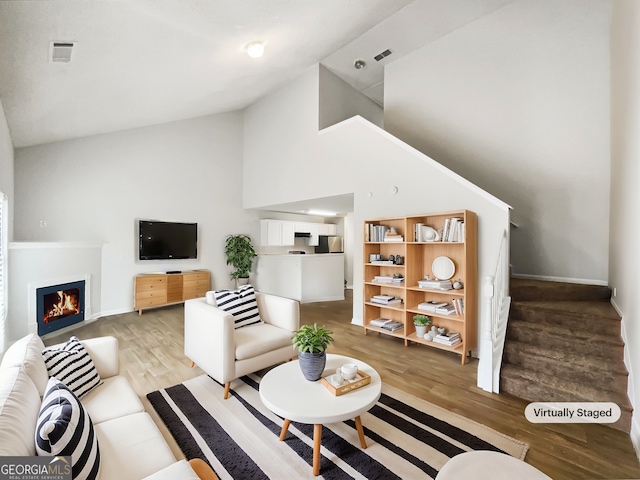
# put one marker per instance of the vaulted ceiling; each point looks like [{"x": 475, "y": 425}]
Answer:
[{"x": 143, "y": 62}]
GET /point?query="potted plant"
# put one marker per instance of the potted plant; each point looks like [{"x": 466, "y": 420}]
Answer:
[
  {"x": 240, "y": 254},
  {"x": 421, "y": 323},
  {"x": 312, "y": 342}
]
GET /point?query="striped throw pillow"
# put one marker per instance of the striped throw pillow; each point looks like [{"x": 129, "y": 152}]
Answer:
[
  {"x": 72, "y": 365},
  {"x": 240, "y": 303},
  {"x": 64, "y": 428}
]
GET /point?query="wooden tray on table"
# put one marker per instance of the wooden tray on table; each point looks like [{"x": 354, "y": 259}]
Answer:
[{"x": 361, "y": 379}]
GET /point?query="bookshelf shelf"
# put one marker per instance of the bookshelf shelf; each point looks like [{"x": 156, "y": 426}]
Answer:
[{"x": 417, "y": 260}]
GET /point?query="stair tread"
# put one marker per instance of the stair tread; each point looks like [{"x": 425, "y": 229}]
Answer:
[
  {"x": 561, "y": 331},
  {"x": 566, "y": 389},
  {"x": 530, "y": 289},
  {"x": 564, "y": 343},
  {"x": 602, "y": 310},
  {"x": 571, "y": 360}
]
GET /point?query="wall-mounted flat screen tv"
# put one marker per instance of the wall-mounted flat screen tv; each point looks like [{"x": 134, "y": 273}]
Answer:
[{"x": 167, "y": 240}]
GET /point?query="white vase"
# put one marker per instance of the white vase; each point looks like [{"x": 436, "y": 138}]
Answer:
[{"x": 421, "y": 330}]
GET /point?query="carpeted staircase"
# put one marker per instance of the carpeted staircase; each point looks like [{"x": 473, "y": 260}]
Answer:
[{"x": 563, "y": 345}]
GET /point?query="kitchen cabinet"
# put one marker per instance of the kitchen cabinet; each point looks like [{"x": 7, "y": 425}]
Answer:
[
  {"x": 281, "y": 233},
  {"x": 275, "y": 233},
  {"x": 306, "y": 278},
  {"x": 314, "y": 240},
  {"x": 288, "y": 233},
  {"x": 303, "y": 227},
  {"x": 327, "y": 229}
]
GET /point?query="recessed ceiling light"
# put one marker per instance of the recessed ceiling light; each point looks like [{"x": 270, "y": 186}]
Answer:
[
  {"x": 255, "y": 49},
  {"x": 359, "y": 64}
]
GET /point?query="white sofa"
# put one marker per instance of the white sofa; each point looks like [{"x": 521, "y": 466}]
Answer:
[
  {"x": 224, "y": 352},
  {"x": 131, "y": 446}
]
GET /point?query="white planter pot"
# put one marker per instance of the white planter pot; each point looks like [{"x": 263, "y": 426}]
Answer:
[{"x": 421, "y": 330}]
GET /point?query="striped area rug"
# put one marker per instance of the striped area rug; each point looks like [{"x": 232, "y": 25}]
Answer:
[{"x": 407, "y": 438}]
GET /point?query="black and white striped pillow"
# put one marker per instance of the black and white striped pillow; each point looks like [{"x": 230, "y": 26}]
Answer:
[
  {"x": 240, "y": 303},
  {"x": 65, "y": 429},
  {"x": 72, "y": 365}
]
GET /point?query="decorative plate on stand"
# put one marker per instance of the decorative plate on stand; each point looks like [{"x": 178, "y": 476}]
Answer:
[{"x": 443, "y": 268}]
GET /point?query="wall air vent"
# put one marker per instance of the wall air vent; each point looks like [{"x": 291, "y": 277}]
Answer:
[
  {"x": 61, "y": 52},
  {"x": 382, "y": 55}
]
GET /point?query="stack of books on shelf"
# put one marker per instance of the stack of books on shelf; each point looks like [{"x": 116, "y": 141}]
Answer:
[
  {"x": 448, "y": 309},
  {"x": 431, "y": 306},
  {"x": 386, "y": 324},
  {"x": 386, "y": 300},
  {"x": 449, "y": 339},
  {"x": 435, "y": 284},
  {"x": 393, "y": 237},
  {"x": 382, "y": 262},
  {"x": 453, "y": 230},
  {"x": 387, "y": 279},
  {"x": 375, "y": 233}
]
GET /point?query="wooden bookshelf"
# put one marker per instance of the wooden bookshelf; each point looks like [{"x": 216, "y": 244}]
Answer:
[{"x": 418, "y": 258}]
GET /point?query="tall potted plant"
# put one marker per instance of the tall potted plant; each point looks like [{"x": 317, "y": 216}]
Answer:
[
  {"x": 312, "y": 342},
  {"x": 240, "y": 254}
]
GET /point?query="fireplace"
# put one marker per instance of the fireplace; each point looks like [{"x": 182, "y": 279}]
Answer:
[{"x": 58, "y": 306}]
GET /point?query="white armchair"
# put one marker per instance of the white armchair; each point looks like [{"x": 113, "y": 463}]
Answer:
[{"x": 226, "y": 353}]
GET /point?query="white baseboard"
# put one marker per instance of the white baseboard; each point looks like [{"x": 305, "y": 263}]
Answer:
[
  {"x": 635, "y": 420},
  {"x": 119, "y": 311},
  {"x": 332, "y": 298},
  {"x": 635, "y": 433},
  {"x": 548, "y": 278},
  {"x": 356, "y": 321}
]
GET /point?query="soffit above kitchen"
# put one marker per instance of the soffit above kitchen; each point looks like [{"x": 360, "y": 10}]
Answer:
[{"x": 340, "y": 205}]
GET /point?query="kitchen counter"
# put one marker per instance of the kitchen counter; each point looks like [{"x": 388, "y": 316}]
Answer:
[{"x": 311, "y": 277}]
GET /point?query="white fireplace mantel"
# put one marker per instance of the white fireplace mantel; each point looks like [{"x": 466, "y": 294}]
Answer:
[{"x": 34, "y": 265}]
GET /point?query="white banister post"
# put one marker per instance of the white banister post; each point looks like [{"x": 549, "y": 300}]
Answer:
[
  {"x": 487, "y": 291},
  {"x": 485, "y": 365}
]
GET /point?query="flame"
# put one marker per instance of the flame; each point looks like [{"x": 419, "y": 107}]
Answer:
[{"x": 67, "y": 305}]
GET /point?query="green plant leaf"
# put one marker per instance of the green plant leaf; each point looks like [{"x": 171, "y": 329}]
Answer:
[
  {"x": 240, "y": 254},
  {"x": 421, "y": 320},
  {"x": 312, "y": 338}
]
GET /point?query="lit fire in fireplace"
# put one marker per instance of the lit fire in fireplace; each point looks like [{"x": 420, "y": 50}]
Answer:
[{"x": 61, "y": 304}]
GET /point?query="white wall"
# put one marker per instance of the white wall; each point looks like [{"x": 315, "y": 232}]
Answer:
[
  {"x": 6, "y": 166},
  {"x": 518, "y": 102},
  {"x": 282, "y": 125},
  {"x": 624, "y": 260},
  {"x": 337, "y": 101},
  {"x": 94, "y": 189},
  {"x": 355, "y": 157},
  {"x": 6, "y": 187}
]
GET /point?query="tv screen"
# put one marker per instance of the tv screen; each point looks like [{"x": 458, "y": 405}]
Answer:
[{"x": 167, "y": 240}]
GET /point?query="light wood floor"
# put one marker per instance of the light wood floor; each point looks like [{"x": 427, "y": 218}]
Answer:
[{"x": 151, "y": 356}]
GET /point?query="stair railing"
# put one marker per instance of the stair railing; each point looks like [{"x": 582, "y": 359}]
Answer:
[{"x": 496, "y": 304}]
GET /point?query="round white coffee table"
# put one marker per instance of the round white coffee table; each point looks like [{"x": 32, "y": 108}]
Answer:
[
  {"x": 286, "y": 392},
  {"x": 486, "y": 465}
]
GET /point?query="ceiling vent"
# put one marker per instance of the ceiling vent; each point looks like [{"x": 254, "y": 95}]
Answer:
[
  {"x": 382, "y": 55},
  {"x": 61, "y": 52}
]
